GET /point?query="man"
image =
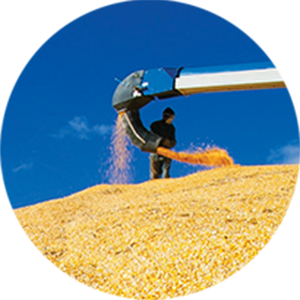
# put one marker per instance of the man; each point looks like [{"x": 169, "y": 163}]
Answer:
[{"x": 160, "y": 165}]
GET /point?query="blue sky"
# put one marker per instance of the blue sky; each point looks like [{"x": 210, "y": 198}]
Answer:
[{"x": 58, "y": 122}]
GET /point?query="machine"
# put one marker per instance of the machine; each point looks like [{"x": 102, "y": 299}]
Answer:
[{"x": 141, "y": 87}]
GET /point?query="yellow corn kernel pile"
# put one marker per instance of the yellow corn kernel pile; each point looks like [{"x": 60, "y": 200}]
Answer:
[{"x": 163, "y": 238}]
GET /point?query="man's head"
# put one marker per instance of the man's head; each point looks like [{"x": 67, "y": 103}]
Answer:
[{"x": 168, "y": 115}]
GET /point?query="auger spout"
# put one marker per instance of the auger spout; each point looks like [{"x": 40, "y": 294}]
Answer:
[{"x": 141, "y": 87}]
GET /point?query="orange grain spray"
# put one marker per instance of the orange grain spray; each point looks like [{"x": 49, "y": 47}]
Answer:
[{"x": 211, "y": 157}]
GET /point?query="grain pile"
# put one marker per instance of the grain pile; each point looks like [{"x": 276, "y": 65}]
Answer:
[{"x": 163, "y": 238}]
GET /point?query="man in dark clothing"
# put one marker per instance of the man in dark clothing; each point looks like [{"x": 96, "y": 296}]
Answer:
[{"x": 160, "y": 165}]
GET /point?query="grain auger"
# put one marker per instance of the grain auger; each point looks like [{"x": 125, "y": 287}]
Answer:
[{"x": 141, "y": 87}]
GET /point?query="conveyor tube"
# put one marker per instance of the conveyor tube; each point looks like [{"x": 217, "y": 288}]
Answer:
[{"x": 141, "y": 87}]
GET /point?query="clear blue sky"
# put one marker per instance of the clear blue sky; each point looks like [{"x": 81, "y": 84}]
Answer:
[{"x": 58, "y": 122}]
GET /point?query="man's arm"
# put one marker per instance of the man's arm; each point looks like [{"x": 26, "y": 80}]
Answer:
[
  {"x": 173, "y": 141},
  {"x": 168, "y": 143}
]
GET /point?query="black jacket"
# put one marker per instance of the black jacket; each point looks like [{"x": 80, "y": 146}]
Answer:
[{"x": 167, "y": 131}]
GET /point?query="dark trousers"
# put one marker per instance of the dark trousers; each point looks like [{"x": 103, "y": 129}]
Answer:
[{"x": 159, "y": 166}]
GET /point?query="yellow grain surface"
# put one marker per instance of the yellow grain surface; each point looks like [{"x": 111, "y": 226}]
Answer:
[{"x": 163, "y": 238}]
